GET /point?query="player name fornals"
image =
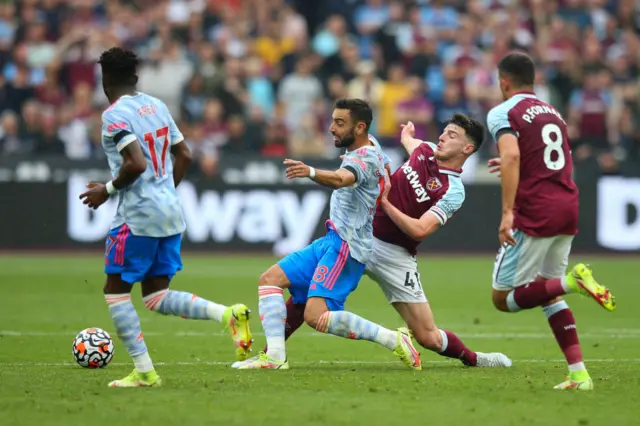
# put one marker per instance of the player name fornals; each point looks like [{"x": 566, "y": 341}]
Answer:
[
  {"x": 618, "y": 215},
  {"x": 278, "y": 216}
]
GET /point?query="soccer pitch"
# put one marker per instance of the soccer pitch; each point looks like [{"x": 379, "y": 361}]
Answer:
[{"x": 46, "y": 300}]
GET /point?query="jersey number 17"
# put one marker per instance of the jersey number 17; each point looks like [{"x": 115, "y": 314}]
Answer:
[{"x": 161, "y": 136}]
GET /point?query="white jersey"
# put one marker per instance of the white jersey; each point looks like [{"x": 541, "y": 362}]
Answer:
[
  {"x": 352, "y": 208},
  {"x": 150, "y": 205}
]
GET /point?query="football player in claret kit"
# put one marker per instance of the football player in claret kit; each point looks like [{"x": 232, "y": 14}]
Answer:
[
  {"x": 539, "y": 213},
  {"x": 426, "y": 191},
  {"x": 143, "y": 245},
  {"x": 324, "y": 273}
]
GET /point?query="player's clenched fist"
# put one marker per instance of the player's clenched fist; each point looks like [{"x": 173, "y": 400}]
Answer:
[
  {"x": 95, "y": 196},
  {"x": 296, "y": 169}
]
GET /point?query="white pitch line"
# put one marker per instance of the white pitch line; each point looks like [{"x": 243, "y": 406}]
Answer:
[
  {"x": 319, "y": 362},
  {"x": 628, "y": 335}
]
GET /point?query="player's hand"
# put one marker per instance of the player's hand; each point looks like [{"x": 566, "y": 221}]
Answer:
[
  {"x": 505, "y": 232},
  {"x": 95, "y": 196},
  {"x": 408, "y": 130},
  {"x": 494, "y": 165},
  {"x": 296, "y": 169}
]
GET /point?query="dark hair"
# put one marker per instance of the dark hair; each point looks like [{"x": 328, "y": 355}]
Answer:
[
  {"x": 119, "y": 66},
  {"x": 519, "y": 68},
  {"x": 359, "y": 110},
  {"x": 473, "y": 128}
]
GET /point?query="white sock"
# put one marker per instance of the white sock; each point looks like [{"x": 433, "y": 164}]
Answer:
[
  {"x": 273, "y": 312},
  {"x": 351, "y": 326},
  {"x": 215, "y": 311},
  {"x": 565, "y": 286},
  {"x": 276, "y": 349},
  {"x": 143, "y": 363},
  {"x": 578, "y": 366},
  {"x": 387, "y": 338},
  {"x": 445, "y": 341}
]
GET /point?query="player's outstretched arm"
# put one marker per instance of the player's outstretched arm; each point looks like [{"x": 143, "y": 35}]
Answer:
[
  {"x": 335, "y": 179},
  {"x": 406, "y": 137},
  {"x": 331, "y": 179},
  {"x": 416, "y": 229},
  {"x": 183, "y": 158}
]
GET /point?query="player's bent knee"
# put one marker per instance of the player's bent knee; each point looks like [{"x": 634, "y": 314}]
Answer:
[
  {"x": 274, "y": 276},
  {"x": 314, "y": 312},
  {"x": 115, "y": 285},
  {"x": 499, "y": 299},
  {"x": 311, "y": 318},
  {"x": 553, "y": 301},
  {"x": 154, "y": 285},
  {"x": 153, "y": 301}
]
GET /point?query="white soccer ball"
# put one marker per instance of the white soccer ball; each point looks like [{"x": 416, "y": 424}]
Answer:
[{"x": 93, "y": 348}]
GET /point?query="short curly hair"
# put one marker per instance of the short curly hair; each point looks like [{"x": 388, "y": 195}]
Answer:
[{"x": 119, "y": 66}]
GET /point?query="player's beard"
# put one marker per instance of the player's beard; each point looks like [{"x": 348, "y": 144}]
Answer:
[{"x": 347, "y": 140}]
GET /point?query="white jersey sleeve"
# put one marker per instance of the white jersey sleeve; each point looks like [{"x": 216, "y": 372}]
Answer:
[
  {"x": 450, "y": 203},
  {"x": 117, "y": 129},
  {"x": 498, "y": 118}
]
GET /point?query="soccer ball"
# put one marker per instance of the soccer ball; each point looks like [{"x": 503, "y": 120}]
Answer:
[{"x": 93, "y": 348}]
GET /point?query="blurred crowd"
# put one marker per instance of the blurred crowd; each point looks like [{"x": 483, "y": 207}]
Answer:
[{"x": 261, "y": 76}]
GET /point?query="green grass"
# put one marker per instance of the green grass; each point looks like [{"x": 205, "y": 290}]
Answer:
[{"x": 46, "y": 300}]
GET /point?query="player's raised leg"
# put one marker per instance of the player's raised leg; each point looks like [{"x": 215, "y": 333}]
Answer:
[
  {"x": 513, "y": 291},
  {"x": 514, "y": 287},
  {"x": 158, "y": 298}
]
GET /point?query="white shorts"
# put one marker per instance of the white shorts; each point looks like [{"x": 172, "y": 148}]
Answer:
[
  {"x": 518, "y": 265},
  {"x": 396, "y": 272}
]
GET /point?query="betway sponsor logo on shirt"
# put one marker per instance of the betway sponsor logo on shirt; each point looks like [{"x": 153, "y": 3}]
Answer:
[{"x": 414, "y": 180}]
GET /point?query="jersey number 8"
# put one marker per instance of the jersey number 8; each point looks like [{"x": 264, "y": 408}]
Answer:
[{"x": 553, "y": 146}]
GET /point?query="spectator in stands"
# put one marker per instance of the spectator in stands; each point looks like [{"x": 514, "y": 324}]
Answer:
[
  {"x": 394, "y": 91},
  {"x": 299, "y": 93},
  {"x": 48, "y": 141},
  {"x": 271, "y": 69},
  {"x": 10, "y": 141}
]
